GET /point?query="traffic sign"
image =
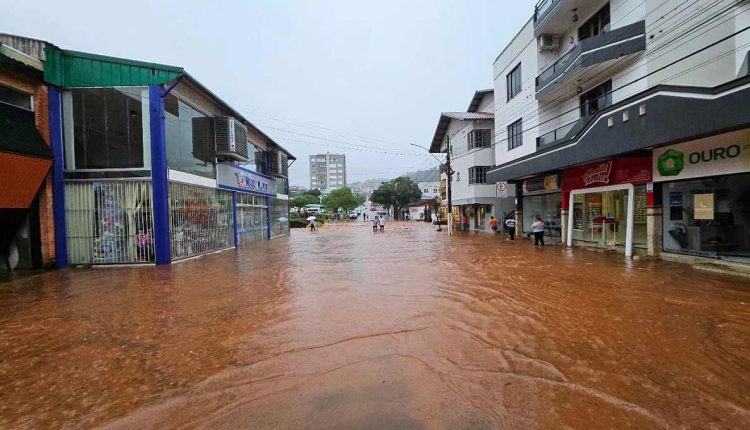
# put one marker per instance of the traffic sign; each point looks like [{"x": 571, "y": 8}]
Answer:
[{"x": 502, "y": 189}]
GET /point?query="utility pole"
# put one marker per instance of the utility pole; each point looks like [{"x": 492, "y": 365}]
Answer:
[{"x": 449, "y": 173}]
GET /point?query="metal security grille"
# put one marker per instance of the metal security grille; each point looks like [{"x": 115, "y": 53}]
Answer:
[
  {"x": 109, "y": 222},
  {"x": 251, "y": 218},
  {"x": 201, "y": 220}
]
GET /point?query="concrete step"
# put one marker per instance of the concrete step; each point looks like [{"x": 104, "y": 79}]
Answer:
[{"x": 725, "y": 268}]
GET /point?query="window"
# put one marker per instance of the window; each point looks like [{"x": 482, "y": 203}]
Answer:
[
  {"x": 426, "y": 190},
  {"x": 479, "y": 139},
  {"x": 106, "y": 128},
  {"x": 596, "y": 25},
  {"x": 515, "y": 134},
  {"x": 458, "y": 176},
  {"x": 16, "y": 98},
  {"x": 596, "y": 99},
  {"x": 178, "y": 119},
  {"x": 435, "y": 190},
  {"x": 478, "y": 174},
  {"x": 513, "y": 82}
]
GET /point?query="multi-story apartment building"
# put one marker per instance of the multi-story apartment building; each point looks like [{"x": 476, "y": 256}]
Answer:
[
  {"x": 625, "y": 124},
  {"x": 327, "y": 172},
  {"x": 466, "y": 138}
]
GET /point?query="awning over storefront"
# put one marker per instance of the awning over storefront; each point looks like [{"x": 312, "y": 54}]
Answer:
[{"x": 25, "y": 157}]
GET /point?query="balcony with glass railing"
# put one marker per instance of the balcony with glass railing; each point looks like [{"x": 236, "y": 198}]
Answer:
[{"x": 589, "y": 52}]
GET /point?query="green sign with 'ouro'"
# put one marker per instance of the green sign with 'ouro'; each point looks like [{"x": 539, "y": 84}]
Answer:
[{"x": 705, "y": 157}]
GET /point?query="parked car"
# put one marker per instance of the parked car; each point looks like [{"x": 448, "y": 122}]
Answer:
[{"x": 353, "y": 215}]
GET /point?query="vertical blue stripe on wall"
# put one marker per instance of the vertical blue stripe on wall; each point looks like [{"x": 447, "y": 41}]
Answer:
[
  {"x": 234, "y": 216},
  {"x": 58, "y": 187},
  {"x": 268, "y": 215},
  {"x": 159, "y": 179}
]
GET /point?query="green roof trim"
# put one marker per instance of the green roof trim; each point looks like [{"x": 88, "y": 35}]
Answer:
[{"x": 73, "y": 69}]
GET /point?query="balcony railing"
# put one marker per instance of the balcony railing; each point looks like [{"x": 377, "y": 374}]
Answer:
[
  {"x": 542, "y": 8},
  {"x": 558, "y": 67},
  {"x": 591, "y": 51},
  {"x": 555, "y": 135}
]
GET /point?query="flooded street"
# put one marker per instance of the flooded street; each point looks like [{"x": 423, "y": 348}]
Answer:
[{"x": 343, "y": 328}]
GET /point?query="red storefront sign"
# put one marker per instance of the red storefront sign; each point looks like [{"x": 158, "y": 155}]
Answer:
[
  {"x": 632, "y": 170},
  {"x": 636, "y": 171}
]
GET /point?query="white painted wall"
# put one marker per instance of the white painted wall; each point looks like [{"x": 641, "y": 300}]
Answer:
[
  {"x": 666, "y": 21},
  {"x": 521, "y": 50}
]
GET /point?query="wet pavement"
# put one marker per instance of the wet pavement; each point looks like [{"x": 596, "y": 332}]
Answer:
[{"x": 407, "y": 329}]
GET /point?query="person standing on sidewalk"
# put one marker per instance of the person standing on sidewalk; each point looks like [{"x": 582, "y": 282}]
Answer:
[
  {"x": 511, "y": 224},
  {"x": 382, "y": 223},
  {"x": 537, "y": 228}
]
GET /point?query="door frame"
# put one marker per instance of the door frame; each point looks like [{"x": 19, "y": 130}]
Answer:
[{"x": 629, "y": 220}]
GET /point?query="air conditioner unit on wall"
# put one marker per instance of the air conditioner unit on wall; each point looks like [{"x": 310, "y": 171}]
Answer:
[
  {"x": 219, "y": 137},
  {"x": 548, "y": 42}
]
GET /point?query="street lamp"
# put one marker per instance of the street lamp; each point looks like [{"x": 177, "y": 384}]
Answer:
[{"x": 449, "y": 173}]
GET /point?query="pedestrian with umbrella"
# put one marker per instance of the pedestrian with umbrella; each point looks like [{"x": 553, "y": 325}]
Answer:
[{"x": 311, "y": 219}]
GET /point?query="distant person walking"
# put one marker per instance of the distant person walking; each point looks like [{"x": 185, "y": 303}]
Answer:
[
  {"x": 493, "y": 224},
  {"x": 464, "y": 224},
  {"x": 312, "y": 225},
  {"x": 511, "y": 224},
  {"x": 382, "y": 223},
  {"x": 537, "y": 228},
  {"x": 375, "y": 222}
]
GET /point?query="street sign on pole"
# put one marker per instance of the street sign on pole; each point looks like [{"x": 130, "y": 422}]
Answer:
[{"x": 502, "y": 189}]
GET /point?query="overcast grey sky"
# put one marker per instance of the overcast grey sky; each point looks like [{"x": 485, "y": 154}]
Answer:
[{"x": 337, "y": 76}]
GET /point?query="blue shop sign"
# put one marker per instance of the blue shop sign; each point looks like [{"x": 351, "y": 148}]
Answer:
[{"x": 232, "y": 177}]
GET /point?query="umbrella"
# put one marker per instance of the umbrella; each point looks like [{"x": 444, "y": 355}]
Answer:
[{"x": 310, "y": 218}]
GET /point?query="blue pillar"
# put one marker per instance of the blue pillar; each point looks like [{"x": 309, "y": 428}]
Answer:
[
  {"x": 159, "y": 180},
  {"x": 234, "y": 216},
  {"x": 268, "y": 215},
  {"x": 58, "y": 187}
]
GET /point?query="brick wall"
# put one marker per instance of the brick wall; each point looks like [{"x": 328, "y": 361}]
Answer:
[{"x": 27, "y": 84}]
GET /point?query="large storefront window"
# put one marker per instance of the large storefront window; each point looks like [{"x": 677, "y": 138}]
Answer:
[
  {"x": 179, "y": 132},
  {"x": 109, "y": 222},
  {"x": 251, "y": 218},
  {"x": 201, "y": 220},
  {"x": 545, "y": 206},
  {"x": 601, "y": 217},
  {"x": 279, "y": 217},
  {"x": 708, "y": 216},
  {"x": 106, "y": 128}
]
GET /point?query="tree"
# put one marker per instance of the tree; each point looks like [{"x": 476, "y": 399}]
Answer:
[
  {"x": 314, "y": 192},
  {"x": 341, "y": 198},
  {"x": 303, "y": 200},
  {"x": 397, "y": 193}
]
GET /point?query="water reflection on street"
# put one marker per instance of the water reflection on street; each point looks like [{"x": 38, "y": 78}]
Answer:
[{"x": 343, "y": 328}]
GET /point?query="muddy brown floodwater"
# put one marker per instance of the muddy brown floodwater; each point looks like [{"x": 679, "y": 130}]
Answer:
[{"x": 343, "y": 328}]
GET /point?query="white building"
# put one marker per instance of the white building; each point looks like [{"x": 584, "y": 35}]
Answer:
[
  {"x": 467, "y": 139},
  {"x": 327, "y": 172},
  {"x": 430, "y": 190},
  {"x": 592, "y": 102}
]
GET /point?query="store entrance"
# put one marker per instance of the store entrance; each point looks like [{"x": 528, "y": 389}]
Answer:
[{"x": 600, "y": 217}]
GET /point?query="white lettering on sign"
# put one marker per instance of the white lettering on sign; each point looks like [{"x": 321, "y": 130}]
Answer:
[
  {"x": 245, "y": 181},
  {"x": 598, "y": 175}
]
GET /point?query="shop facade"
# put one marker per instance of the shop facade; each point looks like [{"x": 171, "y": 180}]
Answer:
[
  {"x": 607, "y": 203},
  {"x": 477, "y": 215},
  {"x": 541, "y": 197},
  {"x": 147, "y": 173},
  {"x": 705, "y": 196}
]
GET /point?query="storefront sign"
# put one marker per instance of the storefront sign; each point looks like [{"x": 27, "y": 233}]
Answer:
[
  {"x": 541, "y": 184},
  {"x": 704, "y": 206},
  {"x": 635, "y": 170},
  {"x": 233, "y": 177},
  {"x": 717, "y": 155}
]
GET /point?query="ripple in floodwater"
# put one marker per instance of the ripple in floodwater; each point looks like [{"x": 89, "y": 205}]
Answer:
[{"x": 409, "y": 328}]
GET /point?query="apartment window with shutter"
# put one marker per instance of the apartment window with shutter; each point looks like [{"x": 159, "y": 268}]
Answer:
[
  {"x": 515, "y": 134},
  {"x": 513, "y": 82},
  {"x": 478, "y": 174},
  {"x": 479, "y": 139},
  {"x": 596, "y": 99}
]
